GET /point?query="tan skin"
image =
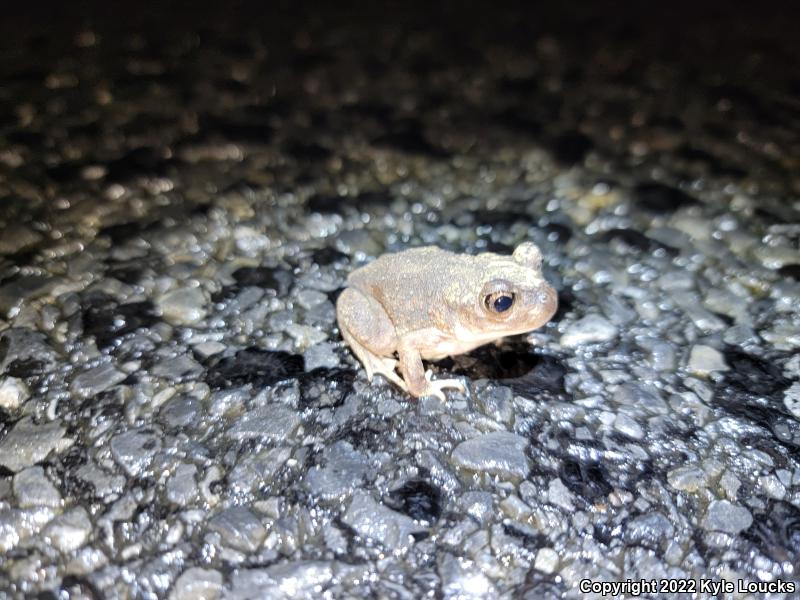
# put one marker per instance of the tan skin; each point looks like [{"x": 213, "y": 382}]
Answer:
[{"x": 427, "y": 303}]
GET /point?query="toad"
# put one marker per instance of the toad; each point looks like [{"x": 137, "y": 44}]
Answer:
[{"x": 428, "y": 303}]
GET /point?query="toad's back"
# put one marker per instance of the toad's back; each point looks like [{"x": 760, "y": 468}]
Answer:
[{"x": 410, "y": 284}]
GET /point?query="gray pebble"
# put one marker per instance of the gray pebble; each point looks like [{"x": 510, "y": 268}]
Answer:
[
  {"x": 649, "y": 530},
  {"x": 463, "y": 580},
  {"x": 321, "y": 356},
  {"x": 301, "y": 579},
  {"x": 688, "y": 478},
  {"x": 704, "y": 360},
  {"x": 33, "y": 488},
  {"x": 182, "y": 487},
  {"x": 497, "y": 453},
  {"x": 96, "y": 380},
  {"x": 374, "y": 521},
  {"x": 345, "y": 469},
  {"x": 27, "y": 443},
  {"x": 727, "y": 517},
  {"x": 590, "y": 329},
  {"x": 184, "y": 306},
  {"x": 273, "y": 422},
  {"x": 254, "y": 470},
  {"x": 13, "y": 392},
  {"x": 69, "y": 531},
  {"x": 134, "y": 449},
  {"x": 197, "y": 584},
  {"x": 239, "y": 528},
  {"x": 628, "y": 426}
]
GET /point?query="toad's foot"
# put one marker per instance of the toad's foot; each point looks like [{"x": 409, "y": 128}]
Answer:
[{"x": 436, "y": 388}]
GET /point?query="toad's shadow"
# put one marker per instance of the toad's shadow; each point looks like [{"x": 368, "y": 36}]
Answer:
[{"x": 513, "y": 363}]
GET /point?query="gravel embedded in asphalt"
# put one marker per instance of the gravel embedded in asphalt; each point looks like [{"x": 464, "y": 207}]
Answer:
[{"x": 183, "y": 194}]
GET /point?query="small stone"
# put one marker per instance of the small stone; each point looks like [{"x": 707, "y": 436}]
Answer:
[
  {"x": 134, "y": 449},
  {"x": 375, "y": 521},
  {"x": 559, "y": 494},
  {"x": 270, "y": 423},
  {"x": 69, "y": 531},
  {"x": 33, "y": 488},
  {"x": 182, "y": 486},
  {"x": 478, "y": 505},
  {"x": 546, "y": 560},
  {"x": 704, "y": 360},
  {"x": 27, "y": 444},
  {"x": 627, "y": 426},
  {"x": 791, "y": 399},
  {"x": 462, "y": 579},
  {"x": 345, "y": 469},
  {"x": 772, "y": 487},
  {"x": 727, "y": 517},
  {"x": 13, "y": 392},
  {"x": 688, "y": 478},
  {"x": 184, "y": 306},
  {"x": 239, "y": 528},
  {"x": 18, "y": 239},
  {"x": 305, "y": 336},
  {"x": 588, "y": 330},
  {"x": 310, "y": 298},
  {"x": 649, "y": 530},
  {"x": 197, "y": 584},
  {"x": 97, "y": 379},
  {"x": 497, "y": 453},
  {"x": 301, "y": 579},
  {"x": 206, "y": 349},
  {"x": 321, "y": 356}
]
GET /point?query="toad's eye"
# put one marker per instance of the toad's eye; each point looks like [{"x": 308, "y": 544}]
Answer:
[{"x": 499, "y": 301}]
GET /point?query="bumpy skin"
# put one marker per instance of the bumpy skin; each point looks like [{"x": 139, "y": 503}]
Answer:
[{"x": 427, "y": 303}]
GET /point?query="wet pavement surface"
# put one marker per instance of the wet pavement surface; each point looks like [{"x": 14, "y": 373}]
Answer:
[{"x": 182, "y": 195}]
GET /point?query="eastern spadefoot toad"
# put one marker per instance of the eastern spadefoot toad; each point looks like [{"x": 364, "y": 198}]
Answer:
[{"x": 427, "y": 303}]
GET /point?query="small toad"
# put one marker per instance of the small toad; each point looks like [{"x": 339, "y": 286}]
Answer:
[{"x": 427, "y": 303}]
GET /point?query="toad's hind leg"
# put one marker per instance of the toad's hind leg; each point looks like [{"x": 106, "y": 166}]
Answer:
[{"x": 370, "y": 333}]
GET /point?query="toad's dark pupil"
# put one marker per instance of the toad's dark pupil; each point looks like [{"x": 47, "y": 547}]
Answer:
[{"x": 503, "y": 303}]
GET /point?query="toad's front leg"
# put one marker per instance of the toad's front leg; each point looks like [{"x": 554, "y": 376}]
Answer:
[{"x": 418, "y": 381}]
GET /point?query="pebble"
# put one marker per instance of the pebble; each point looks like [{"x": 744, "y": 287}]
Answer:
[
  {"x": 197, "y": 584},
  {"x": 375, "y": 521},
  {"x": 13, "y": 392},
  {"x": 97, "y": 379},
  {"x": 546, "y": 560},
  {"x": 68, "y": 532},
  {"x": 322, "y": 355},
  {"x": 345, "y": 469},
  {"x": 305, "y": 336},
  {"x": 270, "y": 423},
  {"x": 301, "y": 579},
  {"x": 727, "y": 517},
  {"x": 182, "y": 487},
  {"x": 33, "y": 488},
  {"x": 27, "y": 444},
  {"x": 628, "y": 426},
  {"x": 649, "y": 530},
  {"x": 704, "y": 360},
  {"x": 588, "y": 330},
  {"x": 688, "y": 478},
  {"x": 497, "y": 453},
  {"x": 478, "y": 505},
  {"x": 134, "y": 449},
  {"x": 206, "y": 349},
  {"x": 239, "y": 528},
  {"x": 559, "y": 494},
  {"x": 183, "y": 306},
  {"x": 463, "y": 580},
  {"x": 791, "y": 399}
]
